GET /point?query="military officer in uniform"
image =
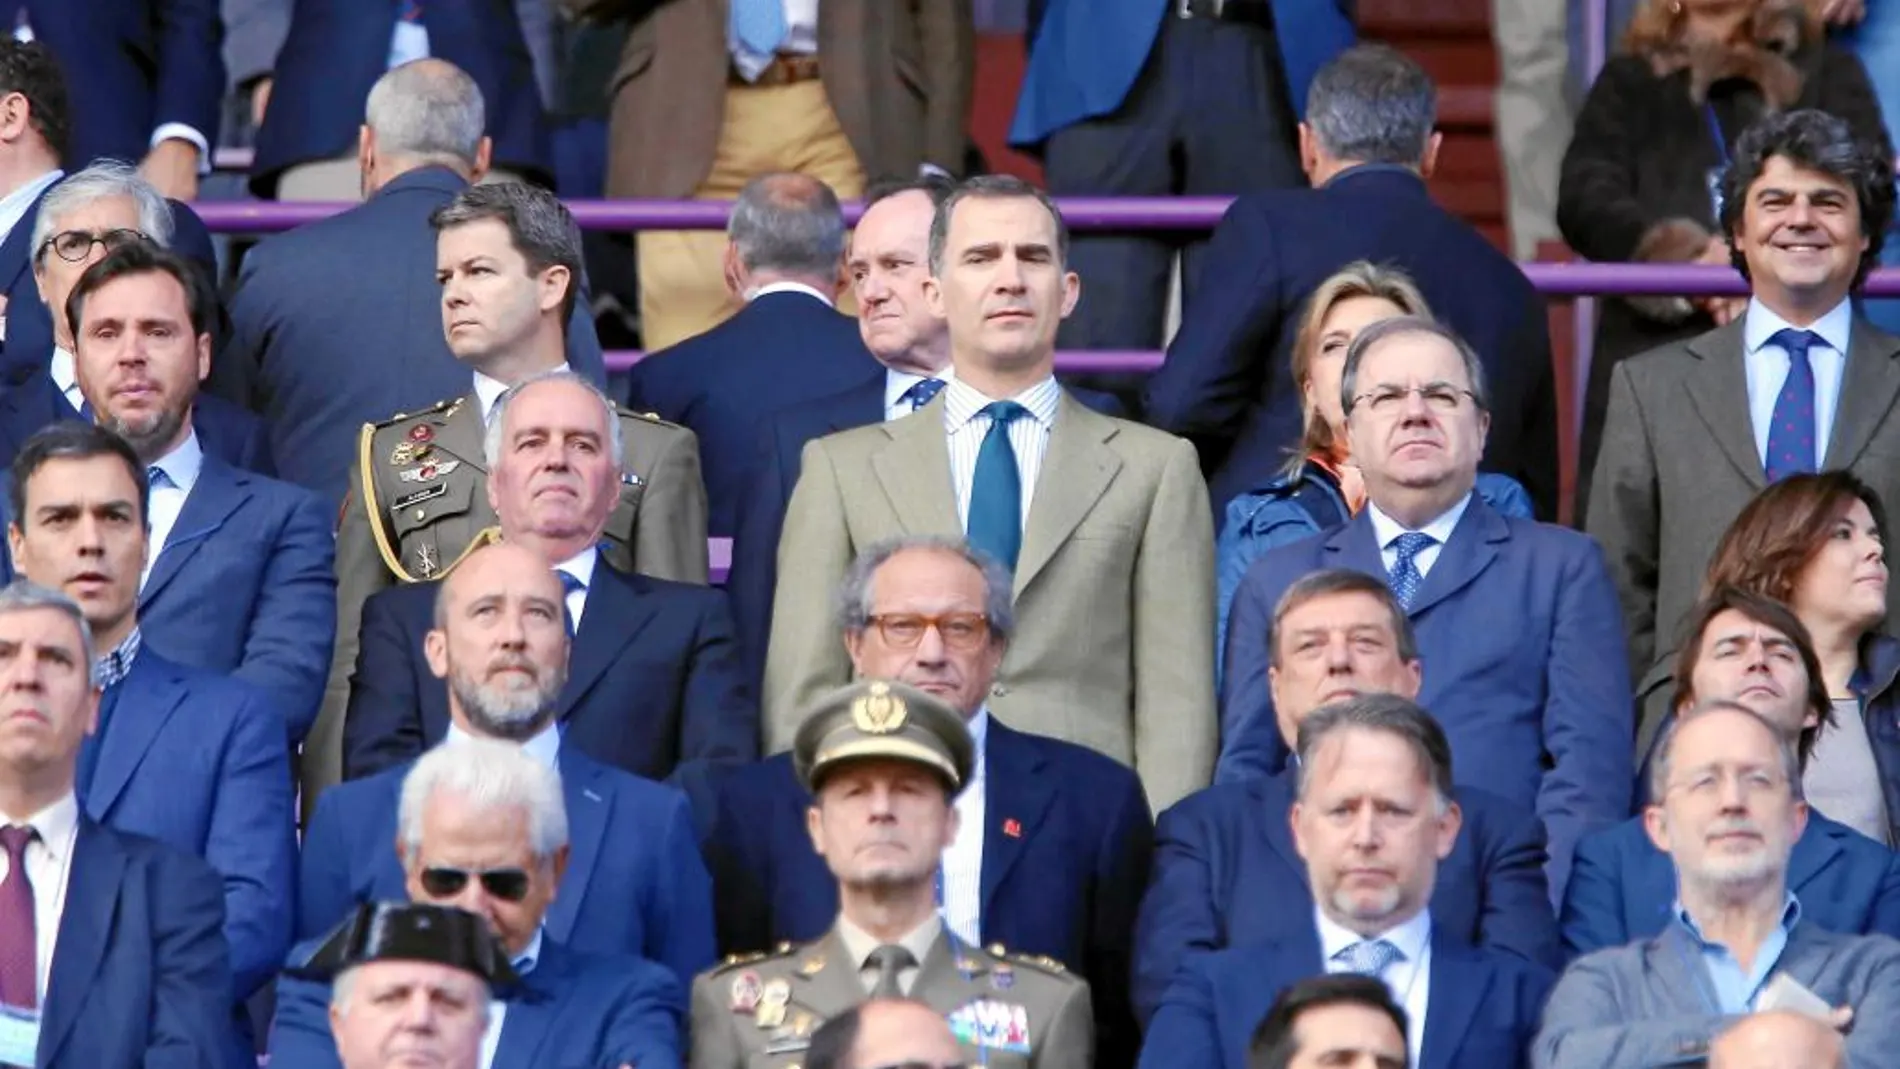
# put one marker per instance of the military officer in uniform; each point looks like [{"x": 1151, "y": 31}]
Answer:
[
  {"x": 884, "y": 763},
  {"x": 508, "y": 259}
]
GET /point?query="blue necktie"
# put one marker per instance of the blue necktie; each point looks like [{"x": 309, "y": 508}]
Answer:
[
  {"x": 996, "y": 489},
  {"x": 156, "y": 479},
  {"x": 1406, "y": 577},
  {"x": 921, "y": 393},
  {"x": 758, "y": 26},
  {"x": 1791, "y": 430},
  {"x": 569, "y": 585},
  {"x": 1368, "y": 957}
]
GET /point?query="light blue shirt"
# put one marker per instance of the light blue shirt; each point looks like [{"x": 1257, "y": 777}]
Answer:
[
  {"x": 167, "y": 498},
  {"x": 1735, "y": 990},
  {"x": 1767, "y": 368},
  {"x": 1408, "y": 979}
]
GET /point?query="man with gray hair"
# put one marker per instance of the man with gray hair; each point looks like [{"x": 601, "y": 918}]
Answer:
[
  {"x": 1727, "y": 807},
  {"x": 1779, "y": 1039},
  {"x": 483, "y": 828},
  {"x": 1373, "y": 818},
  {"x": 1367, "y": 145},
  {"x": 787, "y": 346},
  {"x": 1052, "y": 855}
]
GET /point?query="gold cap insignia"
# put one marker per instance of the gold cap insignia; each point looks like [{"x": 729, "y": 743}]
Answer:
[{"x": 879, "y": 712}]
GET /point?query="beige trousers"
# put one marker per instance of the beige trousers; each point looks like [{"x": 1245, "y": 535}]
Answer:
[{"x": 1533, "y": 117}]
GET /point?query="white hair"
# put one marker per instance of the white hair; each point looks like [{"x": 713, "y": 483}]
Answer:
[
  {"x": 486, "y": 775},
  {"x": 497, "y": 416},
  {"x": 427, "y": 109},
  {"x": 103, "y": 179}
]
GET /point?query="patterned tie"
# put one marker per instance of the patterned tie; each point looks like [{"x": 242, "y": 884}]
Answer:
[
  {"x": 758, "y": 26},
  {"x": 1368, "y": 957},
  {"x": 921, "y": 392},
  {"x": 570, "y": 584},
  {"x": 156, "y": 479},
  {"x": 1791, "y": 429},
  {"x": 1405, "y": 578},
  {"x": 890, "y": 960},
  {"x": 19, "y": 945},
  {"x": 996, "y": 489}
]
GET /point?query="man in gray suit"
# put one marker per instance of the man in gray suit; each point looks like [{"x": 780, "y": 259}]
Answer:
[
  {"x": 1728, "y": 812},
  {"x": 1798, "y": 382}
]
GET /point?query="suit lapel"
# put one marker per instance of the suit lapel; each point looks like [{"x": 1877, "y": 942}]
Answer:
[
  {"x": 1355, "y": 546},
  {"x": 946, "y": 978},
  {"x": 1869, "y": 386},
  {"x": 85, "y": 926},
  {"x": 588, "y": 811},
  {"x": 616, "y": 614},
  {"x": 148, "y": 697},
  {"x": 1459, "y": 982},
  {"x": 833, "y": 987},
  {"x": 914, "y": 470},
  {"x": 219, "y": 492},
  {"x": 1467, "y": 553},
  {"x": 1018, "y": 797},
  {"x": 16, "y": 253},
  {"x": 532, "y": 1012},
  {"x": 1275, "y": 797},
  {"x": 1717, "y": 386},
  {"x": 1076, "y": 471},
  {"x": 461, "y": 435},
  {"x": 1813, "y": 852}
]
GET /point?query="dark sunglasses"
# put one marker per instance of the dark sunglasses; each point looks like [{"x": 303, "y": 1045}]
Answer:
[{"x": 509, "y": 885}]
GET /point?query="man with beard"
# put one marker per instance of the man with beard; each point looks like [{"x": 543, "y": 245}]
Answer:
[
  {"x": 1373, "y": 817},
  {"x": 239, "y": 569},
  {"x": 634, "y": 882},
  {"x": 1727, "y": 807}
]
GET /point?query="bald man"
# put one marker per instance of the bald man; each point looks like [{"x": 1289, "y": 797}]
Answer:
[
  {"x": 1780, "y": 1040},
  {"x": 888, "y": 1031}
]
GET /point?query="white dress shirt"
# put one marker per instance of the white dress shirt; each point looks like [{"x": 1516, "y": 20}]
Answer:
[
  {"x": 859, "y": 944},
  {"x": 488, "y": 391},
  {"x": 963, "y": 860},
  {"x": 544, "y": 747},
  {"x": 49, "y": 866},
  {"x": 964, "y": 422},
  {"x": 897, "y": 382},
  {"x": 66, "y": 376},
  {"x": 498, "y": 1010},
  {"x": 1767, "y": 368},
  {"x": 581, "y": 567},
  {"x": 1386, "y": 530},
  {"x": 1408, "y": 978},
  {"x": 181, "y": 467},
  {"x": 792, "y": 287}
]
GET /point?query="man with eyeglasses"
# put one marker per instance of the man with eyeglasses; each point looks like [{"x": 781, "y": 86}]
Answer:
[
  {"x": 1517, "y": 621},
  {"x": 1052, "y": 854},
  {"x": 885, "y": 1033},
  {"x": 1727, "y": 807},
  {"x": 884, "y": 763},
  {"x": 484, "y": 829}
]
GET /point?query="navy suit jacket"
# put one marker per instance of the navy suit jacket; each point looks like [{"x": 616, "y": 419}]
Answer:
[
  {"x": 781, "y": 349},
  {"x": 335, "y": 51},
  {"x": 316, "y": 376},
  {"x": 141, "y": 978},
  {"x": 1227, "y": 383},
  {"x": 225, "y": 431},
  {"x": 1066, "y": 884},
  {"x": 634, "y": 885},
  {"x": 572, "y": 1009},
  {"x": 1622, "y": 889},
  {"x": 1538, "y": 711},
  {"x": 1226, "y": 873},
  {"x": 199, "y": 762},
  {"x": 1483, "y": 1008},
  {"x": 652, "y": 682}
]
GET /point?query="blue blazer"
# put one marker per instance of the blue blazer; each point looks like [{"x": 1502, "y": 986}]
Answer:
[
  {"x": 335, "y": 51},
  {"x": 1539, "y": 712},
  {"x": 1067, "y": 884},
  {"x": 587, "y": 1011},
  {"x": 225, "y": 431},
  {"x": 198, "y": 761},
  {"x": 1227, "y": 874},
  {"x": 315, "y": 377},
  {"x": 652, "y": 682},
  {"x": 1483, "y": 1009},
  {"x": 1622, "y": 888},
  {"x": 141, "y": 979},
  {"x": 634, "y": 884},
  {"x": 1227, "y": 383},
  {"x": 1087, "y": 54},
  {"x": 779, "y": 350}
]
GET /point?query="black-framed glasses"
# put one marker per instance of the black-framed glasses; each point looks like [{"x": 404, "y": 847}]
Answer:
[
  {"x": 75, "y": 245},
  {"x": 1440, "y": 397},
  {"x": 509, "y": 885},
  {"x": 963, "y": 631}
]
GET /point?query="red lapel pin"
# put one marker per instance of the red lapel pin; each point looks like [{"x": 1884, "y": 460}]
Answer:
[{"x": 1013, "y": 828}]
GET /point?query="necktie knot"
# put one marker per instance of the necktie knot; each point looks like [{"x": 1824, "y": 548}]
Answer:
[
  {"x": 889, "y": 960},
  {"x": 1369, "y": 957},
  {"x": 571, "y": 583},
  {"x": 1410, "y": 544},
  {"x": 1004, "y": 412},
  {"x": 14, "y": 837},
  {"x": 922, "y": 392},
  {"x": 1796, "y": 342},
  {"x": 1406, "y": 578},
  {"x": 156, "y": 479}
]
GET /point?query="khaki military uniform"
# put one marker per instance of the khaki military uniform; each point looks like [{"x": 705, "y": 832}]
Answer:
[
  {"x": 419, "y": 497},
  {"x": 1008, "y": 1011}
]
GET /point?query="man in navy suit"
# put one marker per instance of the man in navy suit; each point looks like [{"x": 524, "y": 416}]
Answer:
[
  {"x": 1538, "y": 711},
  {"x": 1373, "y": 819},
  {"x": 1227, "y": 869},
  {"x": 137, "y": 940},
  {"x": 483, "y": 828},
  {"x": 1054, "y": 842},
  {"x": 633, "y": 881},
  {"x": 1745, "y": 649},
  {"x": 77, "y": 222},
  {"x": 193, "y": 759},
  {"x": 654, "y": 682},
  {"x": 239, "y": 577},
  {"x": 1368, "y": 146},
  {"x": 29, "y": 165},
  {"x": 789, "y": 343},
  {"x": 333, "y": 55},
  {"x": 317, "y": 376}
]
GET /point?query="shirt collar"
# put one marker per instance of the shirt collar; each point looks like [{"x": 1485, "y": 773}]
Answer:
[
  {"x": 1759, "y": 324},
  {"x": 183, "y": 463},
  {"x": 65, "y": 375},
  {"x": 56, "y": 823},
  {"x": 116, "y": 664},
  {"x": 1790, "y": 915},
  {"x": 962, "y": 402},
  {"x": 17, "y": 202},
  {"x": 859, "y": 943},
  {"x": 1410, "y": 937},
  {"x": 581, "y": 566},
  {"x": 544, "y": 747},
  {"x": 1385, "y": 528},
  {"x": 979, "y": 739},
  {"x": 791, "y": 287},
  {"x": 525, "y": 961},
  {"x": 896, "y": 382},
  {"x": 489, "y": 390}
]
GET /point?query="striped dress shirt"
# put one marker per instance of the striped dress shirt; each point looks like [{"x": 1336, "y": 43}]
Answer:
[{"x": 966, "y": 426}]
